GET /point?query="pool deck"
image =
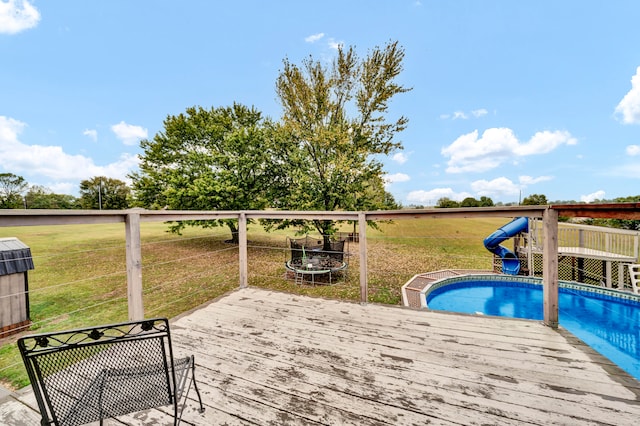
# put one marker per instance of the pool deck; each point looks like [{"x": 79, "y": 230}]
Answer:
[
  {"x": 412, "y": 289},
  {"x": 266, "y": 358}
]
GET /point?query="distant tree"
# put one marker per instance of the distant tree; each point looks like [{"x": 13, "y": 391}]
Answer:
[
  {"x": 447, "y": 203},
  {"x": 39, "y": 197},
  {"x": 210, "y": 159},
  {"x": 535, "y": 200},
  {"x": 486, "y": 202},
  {"x": 335, "y": 130},
  {"x": 470, "y": 202},
  {"x": 633, "y": 225},
  {"x": 11, "y": 189},
  {"x": 103, "y": 193}
]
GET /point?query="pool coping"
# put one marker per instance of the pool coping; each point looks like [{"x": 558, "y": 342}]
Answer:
[{"x": 422, "y": 284}]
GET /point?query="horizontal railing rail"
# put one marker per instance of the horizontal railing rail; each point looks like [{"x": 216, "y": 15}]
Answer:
[{"x": 133, "y": 218}]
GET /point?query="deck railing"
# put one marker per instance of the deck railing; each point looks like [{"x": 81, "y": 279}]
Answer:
[
  {"x": 596, "y": 238},
  {"x": 133, "y": 218}
]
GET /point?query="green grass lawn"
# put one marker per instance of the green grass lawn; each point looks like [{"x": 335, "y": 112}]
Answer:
[{"x": 80, "y": 273}]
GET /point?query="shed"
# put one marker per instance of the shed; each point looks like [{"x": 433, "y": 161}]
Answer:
[{"x": 15, "y": 262}]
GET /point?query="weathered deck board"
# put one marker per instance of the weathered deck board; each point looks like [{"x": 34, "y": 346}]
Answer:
[
  {"x": 433, "y": 359},
  {"x": 274, "y": 358}
]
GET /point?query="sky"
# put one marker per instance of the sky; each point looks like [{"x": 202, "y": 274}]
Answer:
[{"x": 508, "y": 99}]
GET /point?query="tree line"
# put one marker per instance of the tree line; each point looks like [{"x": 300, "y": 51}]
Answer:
[
  {"x": 446, "y": 202},
  {"x": 99, "y": 192},
  {"x": 541, "y": 200}
]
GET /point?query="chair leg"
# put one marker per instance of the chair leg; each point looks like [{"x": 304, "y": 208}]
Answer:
[
  {"x": 195, "y": 385},
  {"x": 178, "y": 415}
]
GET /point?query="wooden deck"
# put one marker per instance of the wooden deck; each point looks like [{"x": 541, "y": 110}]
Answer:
[{"x": 272, "y": 358}]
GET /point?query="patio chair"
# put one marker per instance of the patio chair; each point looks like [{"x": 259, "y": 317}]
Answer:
[
  {"x": 91, "y": 374},
  {"x": 634, "y": 272}
]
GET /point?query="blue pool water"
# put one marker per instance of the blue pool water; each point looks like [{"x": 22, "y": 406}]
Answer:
[{"x": 609, "y": 324}]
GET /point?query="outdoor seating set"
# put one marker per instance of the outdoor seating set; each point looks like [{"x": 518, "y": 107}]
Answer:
[{"x": 316, "y": 260}]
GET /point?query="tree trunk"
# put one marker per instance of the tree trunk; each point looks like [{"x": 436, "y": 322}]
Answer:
[
  {"x": 325, "y": 228},
  {"x": 234, "y": 233}
]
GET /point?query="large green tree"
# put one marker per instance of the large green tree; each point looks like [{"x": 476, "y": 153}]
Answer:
[
  {"x": 337, "y": 130},
  {"x": 103, "y": 193},
  {"x": 11, "y": 189},
  {"x": 209, "y": 159}
]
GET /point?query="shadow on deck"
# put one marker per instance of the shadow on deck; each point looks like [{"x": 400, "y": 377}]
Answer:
[{"x": 265, "y": 357}]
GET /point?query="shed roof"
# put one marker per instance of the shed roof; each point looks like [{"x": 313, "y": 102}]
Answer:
[{"x": 15, "y": 256}]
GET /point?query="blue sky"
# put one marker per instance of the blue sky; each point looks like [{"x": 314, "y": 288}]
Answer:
[{"x": 509, "y": 99}]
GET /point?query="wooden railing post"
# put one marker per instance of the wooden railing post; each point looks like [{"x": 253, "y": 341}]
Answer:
[
  {"x": 362, "y": 232},
  {"x": 242, "y": 250},
  {"x": 550, "y": 267},
  {"x": 134, "y": 265}
]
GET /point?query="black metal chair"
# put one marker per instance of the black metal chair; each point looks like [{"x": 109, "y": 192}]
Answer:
[{"x": 87, "y": 375}]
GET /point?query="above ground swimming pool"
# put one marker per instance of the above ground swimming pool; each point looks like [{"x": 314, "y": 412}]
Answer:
[{"x": 607, "y": 320}]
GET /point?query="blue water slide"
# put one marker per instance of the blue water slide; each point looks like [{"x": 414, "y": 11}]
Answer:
[{"x": 510, "y": 263}]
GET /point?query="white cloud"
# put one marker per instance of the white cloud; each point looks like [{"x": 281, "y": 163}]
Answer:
[
  {"x": 400, "y": 157},
  {"x": 335, "y": 44},
  {"x": 432, "y": 196},
  {"x": 92, "y": 134},
  {"x": 17, "y": 15},
  {"x": 629, "y": 106},
  {"x": 633, "y": 150},
  {"x": 598, "y": 195},
  {"x": 128, "y": 133},
  {"x": 469, "y": 153},
  {"x": 62, "y": 187},
  {"x": 496, "y": 187},
  {"x": 528, "y": 180},
  {"x": 503, "y": 186},
  {"x": 9, "y": 130},
  {"x": 396, "y": 177},
  {"x": 51, "y": 161},
  {"x": 477, "y": 113},
  {"x": 314, "y": 37},
  {"x": 544, "y": 142}
]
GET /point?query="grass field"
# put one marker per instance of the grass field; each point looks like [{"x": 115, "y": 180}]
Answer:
[{"x": 80, "y": 273}]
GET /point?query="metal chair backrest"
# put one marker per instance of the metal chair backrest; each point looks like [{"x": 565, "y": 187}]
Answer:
[{"x": 87, "y": 375}]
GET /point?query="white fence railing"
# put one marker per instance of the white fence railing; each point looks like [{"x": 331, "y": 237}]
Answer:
[{"x": 618, "y": 242}]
